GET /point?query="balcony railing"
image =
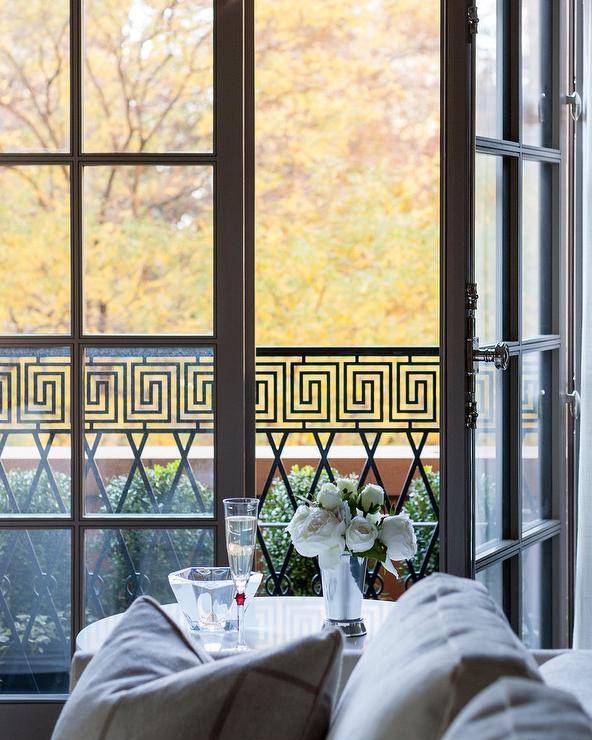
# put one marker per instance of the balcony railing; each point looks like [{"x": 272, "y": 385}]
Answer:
[
  {"x": 319, "y": 413},
  {"x": 369, "y": 411}
]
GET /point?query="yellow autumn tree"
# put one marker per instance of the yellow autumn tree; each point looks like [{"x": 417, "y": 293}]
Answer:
[{"x": 347, "y": 170}]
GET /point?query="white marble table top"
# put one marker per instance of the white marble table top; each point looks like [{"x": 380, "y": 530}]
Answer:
[{"x": 269, "y": 622}]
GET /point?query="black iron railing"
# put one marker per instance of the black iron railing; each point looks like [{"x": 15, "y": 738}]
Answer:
[{"x": 312, "y": 406}]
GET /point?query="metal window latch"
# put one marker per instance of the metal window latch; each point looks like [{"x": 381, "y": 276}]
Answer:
[
  {"x": 574, "y": 402},
  {"x": 574, "y": 100},
  {"x": 473, "y": 19}
]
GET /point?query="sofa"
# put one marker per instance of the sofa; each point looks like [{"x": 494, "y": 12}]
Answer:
[{"x": 446, "y": 664}]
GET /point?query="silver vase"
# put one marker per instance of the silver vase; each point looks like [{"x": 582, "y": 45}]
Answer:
[{"x": 343, "y": 593}]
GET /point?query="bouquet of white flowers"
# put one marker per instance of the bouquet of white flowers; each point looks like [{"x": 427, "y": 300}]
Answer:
[{"x": 345, "y": 518}]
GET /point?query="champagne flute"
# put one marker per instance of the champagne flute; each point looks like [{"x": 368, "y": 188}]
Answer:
[{"x": 241, "y": 533}]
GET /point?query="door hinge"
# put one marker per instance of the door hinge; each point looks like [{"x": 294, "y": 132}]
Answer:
[
  {"x": 473, "y": 19},
  {"x": 499, "y": 355},
  {"x": 471, "y": 299}
]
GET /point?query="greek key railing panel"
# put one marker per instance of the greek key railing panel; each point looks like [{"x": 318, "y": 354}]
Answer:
[
  {"x": 149, "y": 430},
  {"x": 35, "y": 431},
  {"x": 149, "y": 388},
  {"x": 311, "y": 389},
  {"x": 34, "y": 389}
]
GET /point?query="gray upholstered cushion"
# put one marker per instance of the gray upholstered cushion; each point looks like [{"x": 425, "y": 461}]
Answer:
[
  {"x": 519, "y": 709},
  {"x": 572, "y": 672},
  {"x": 151, "y": 680},
  {"x": 445, "y": 641}
]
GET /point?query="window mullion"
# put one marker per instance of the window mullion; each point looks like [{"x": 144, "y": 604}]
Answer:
[{"x": 77, "y": 466}]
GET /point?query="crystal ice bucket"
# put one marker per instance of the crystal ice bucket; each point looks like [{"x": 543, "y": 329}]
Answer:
[{"x": 206, "y": 596}]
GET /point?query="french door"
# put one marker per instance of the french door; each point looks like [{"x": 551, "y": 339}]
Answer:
[
  {"x": 123, "y": 393},
  {"x": 512, "y": 149}
]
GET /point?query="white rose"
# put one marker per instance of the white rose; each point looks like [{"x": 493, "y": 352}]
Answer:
[
  {"x": 374, "y": 518},
  {"x": 398, "y": 536},
  {"x": 371, "y": 496},
  {"x": 315, "y": 532},
  {"x": 360, "y": 535},
  {"x": 347, "y": 487},
  {"x": 328, "y": 497}
]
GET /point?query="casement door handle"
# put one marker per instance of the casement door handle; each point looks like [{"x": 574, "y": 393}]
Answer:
[
  {"x": 574, "y": 401},
  {"x": 499, "y": 355}
]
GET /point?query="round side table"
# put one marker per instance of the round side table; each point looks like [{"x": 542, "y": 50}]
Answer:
[{"x": 269, "y": 622}]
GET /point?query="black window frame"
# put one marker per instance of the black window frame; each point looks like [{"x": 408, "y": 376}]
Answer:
[
  {"x": 231, "y": 159},
  {"x": 460, "y": 147}
]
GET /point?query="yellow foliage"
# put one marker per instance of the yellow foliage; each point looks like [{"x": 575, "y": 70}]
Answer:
[{"x": 347, "y": 170}]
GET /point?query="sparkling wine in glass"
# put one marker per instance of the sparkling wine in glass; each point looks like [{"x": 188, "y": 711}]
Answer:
[{"x": 241, "y": 534}]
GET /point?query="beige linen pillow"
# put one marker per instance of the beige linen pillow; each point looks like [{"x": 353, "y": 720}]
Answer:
[
  {"x": 445, "y": 641},
  {"x": 519, "y": 709},
  {"x": 152, "y": 681}
]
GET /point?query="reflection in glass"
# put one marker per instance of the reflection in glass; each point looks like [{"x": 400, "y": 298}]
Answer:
[
  {"x": 536, "y": 437},
  {"x": 122, "y": 564},
  {"x": 35, "y": 250},
  {"x": 148, "y": 75},
  {"x": 148, "y": 250},
  {"x": 35, "y": 431},
  {"x": 493, "y": 580},
  {"x": 149, "y": 431},
  {"x": 489, "y": 247},
  {"x": 537, "y": 238},
  {"x": 489, "y": 456},
  {"x": 347, "y": 169},
  {"x": 35, "y": 568},
  {"x": 34, "y": 76},
  {"x": 537, "y": 579},
  {"x": 490, "y": 83},
  {"x": 537, "y": 72}
]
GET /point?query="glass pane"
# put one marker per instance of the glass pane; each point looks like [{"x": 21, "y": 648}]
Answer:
[
  {"x": 537, "y": 72},
  {"x": 34, "y": 431},
  {"x": 149, "y": 431},
  {"x": 537, "y": 243},
  {"x": 493, "y": 580},
  {"x": 148, "y": 250},
  {"x": 35, "y": 250},
  {"x": 34, "y": 75},
  {"x": 122, "y": 564},
  {"x": 35, "y": 613},
  {"x": 148, "y": 75},
  {"x": 347, "y": 170},
  {"x": 537, "y": 579},
  {"x": 536, "y": 437},
  {"x": 490, "y": 81},
  {"x": 489, "y": 456},
  {"x": 489, "y": 220}
]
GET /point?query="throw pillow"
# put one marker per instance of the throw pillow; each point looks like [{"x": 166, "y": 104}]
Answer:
[
  {"x": 151, "y": 680},
  {"x": 519, "y": 709},
  {"x": 571, "y": 672},
  {"x": 445, "y": 642}
]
